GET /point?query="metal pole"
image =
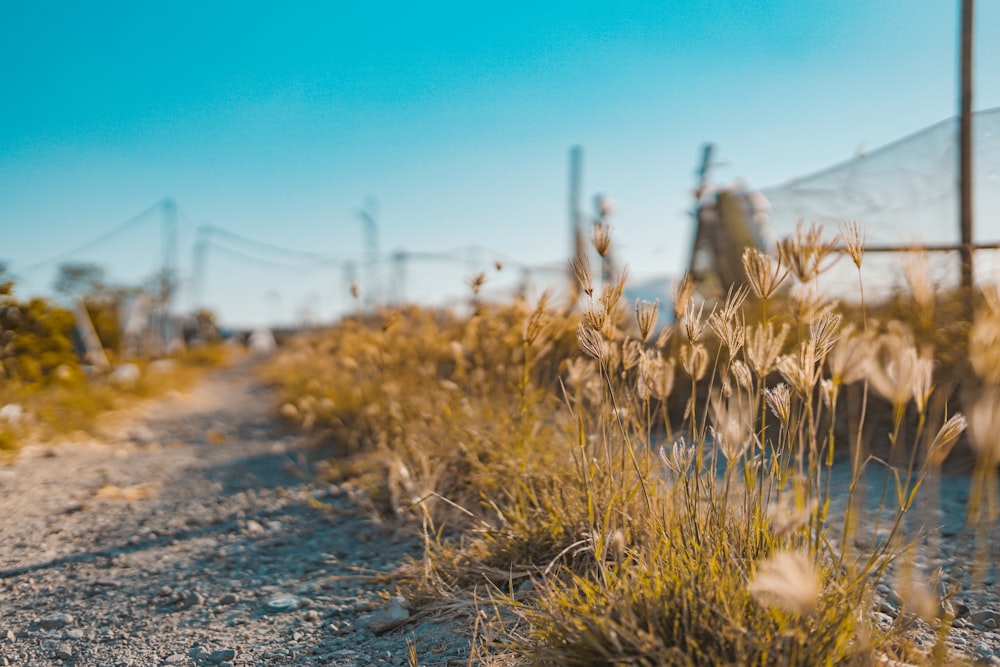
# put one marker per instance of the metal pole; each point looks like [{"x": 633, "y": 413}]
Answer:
[{"x": 965, "y": 153}]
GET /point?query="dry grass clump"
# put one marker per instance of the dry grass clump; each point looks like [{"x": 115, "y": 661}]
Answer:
[{"x": 627, "y": 495}]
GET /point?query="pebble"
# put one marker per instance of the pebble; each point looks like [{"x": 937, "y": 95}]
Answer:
[
  {"x": 222, "y": 655},
  {"x": 284, "y": 602},
  {"x": 176, "y": 659},
  {"x": 192, "y": 599},
  {"x": 55, "y": 621},
  {"x": 229, "y": 598},
  {"x": 390, "y": 615}
]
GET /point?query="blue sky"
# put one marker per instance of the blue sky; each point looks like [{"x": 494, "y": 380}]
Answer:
[{"x": 277, "y": 121}]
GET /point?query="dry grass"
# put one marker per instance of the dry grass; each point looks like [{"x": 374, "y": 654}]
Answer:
[{"x": 602, "y": 493}]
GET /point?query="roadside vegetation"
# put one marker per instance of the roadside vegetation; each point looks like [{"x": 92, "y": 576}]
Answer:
[
  {"x": 46, "y": 387},
  {"x": 595, "y": 488}
]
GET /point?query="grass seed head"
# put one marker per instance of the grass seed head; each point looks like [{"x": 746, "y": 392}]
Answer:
[
  {"x": 984, "y": 425},
  {"x": 779, "y": 399},
  {"x": 790, "y": 513},
  {"x": 694, "y": 360},
  {"x": 899, "y": 369},
  {"x": 764, "y": 273},
  {"x": 946, "y": 438},
  {"x": 854, "y": 241},
  {"x": 646, "y": 314},
  {"x": 850, "y": 356},
  {"x": 683, "y": 292},
  {"x": 601, "y": 238},
  {"x": 583, "y": 274},
  {"x": 694, "y": 323},
  {"x": 805, "y": 252},
  {"x": 733, "y": 421},
  {"x": 592, "y": 342},
  {"x": 763, "y": 347},
  {"x": 787, "y": 580},
  {"x": 680, "y": 457}
]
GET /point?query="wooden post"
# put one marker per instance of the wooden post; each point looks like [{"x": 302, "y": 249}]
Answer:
[
  {"x": 577, "y": 242},
  {"x": 965, "y": 154}
]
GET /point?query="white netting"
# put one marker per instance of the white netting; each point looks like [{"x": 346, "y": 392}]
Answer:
[{"x": 905, "y": 192}]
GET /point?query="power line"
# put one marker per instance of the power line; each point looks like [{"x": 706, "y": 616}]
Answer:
[
  {"x": 106, "y": 236},
  {"x": 262, "y": 245}
]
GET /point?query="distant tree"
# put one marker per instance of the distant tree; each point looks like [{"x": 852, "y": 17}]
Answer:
[{"x": 76, "y": 279}]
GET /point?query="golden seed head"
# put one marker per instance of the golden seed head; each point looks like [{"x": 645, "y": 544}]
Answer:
[
  {"x": 694, "y": 324},
  {"x": 592, "y": 342},
  {"x": 899, "y": 369},
  {"x": 476, "y": 282},
  {"x": 850, "y": 356},
  {"x": 764, "y": 273},
  {"x": 763, "y": 347},
  {"x": 918, "y": 278},
  {"x": 946, "y": 438},
  {"x": 800, "y": 369},
  {"x": 680, "y": 457},
  {"x": 854, "y": 241},
  {"x": 742, "y": 374},
  {"x": 646, "y": 314},
  {"x": 790, "y": 513},
  {"x": 733, "y": 421},
  {"x": 584, "y": 277},
  {"x": 601, "y": 238},
  {"x": 664, "y": 337},
  {"x": 694, "y": 360},
  {"x": 824, "y": 331},
  {"x": 663, "y": 378},
  {"x": 787, "y": 580},
  {"x": 631, "y": 353},
  {"x": 805, "y": 252},
  {"x": 984, "y": 425},
  {"x": 984, "y": 338},
  {"x": 779, "y": 399},
  {"x": 683, "y": 292}
]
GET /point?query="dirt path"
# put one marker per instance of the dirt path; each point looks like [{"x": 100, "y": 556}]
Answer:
[{"x": 186, "y": 537}]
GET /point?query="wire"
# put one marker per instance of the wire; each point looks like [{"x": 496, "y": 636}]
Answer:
[
  {"x": 111, "y": 233},
  {"x": 261, "y": 245}
]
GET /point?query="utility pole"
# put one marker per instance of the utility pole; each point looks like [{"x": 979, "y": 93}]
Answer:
[
  {"x": 965, "y": 153},
  {"x": 369, "y": 218},
  {"x": 575, "y": 216},
  {"x": 198, "y": 268},
  {"x": 169, "y": 271},
  {"x": 168, "y": 275}
]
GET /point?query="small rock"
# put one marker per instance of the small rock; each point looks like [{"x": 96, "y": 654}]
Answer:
[
  {"x": 165, "y": 591},
  {"x": 986, "y": 618},
  {"x": 64, "y": 652},
  {"x": 312, "y": 615},
  {"x": 198, "y": 653},
  {"x": 74, "y": 633},
  {"x": 254, "y": 528},
  {"x": 9, "y": 635},
  {"x": 222, "y": 655},
  {"x": 192, "y": 599},
  {"x": 390, "y": 615},
  {"x": 55, "y": 621},
  {"x": 176, "y": 659},
  {"x": 283, "y": 602},
  {"x": 229, "y": 598}
]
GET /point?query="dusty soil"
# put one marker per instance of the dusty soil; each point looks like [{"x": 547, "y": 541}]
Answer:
[{"x": 189, "y": 533}]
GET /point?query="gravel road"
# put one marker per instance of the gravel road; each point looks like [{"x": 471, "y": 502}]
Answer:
[{"x": 186, "y": 535}]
